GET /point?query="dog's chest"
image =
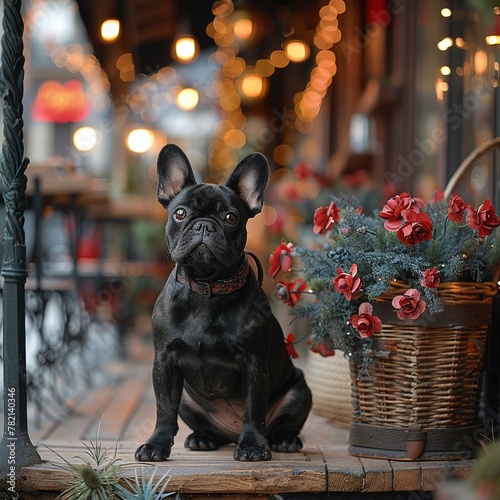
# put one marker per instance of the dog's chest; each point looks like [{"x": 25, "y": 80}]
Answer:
[
  {"x": 209, "y": 360},
  {"x": 210, "y": 367},
  {"x": 203, "y": 344}
]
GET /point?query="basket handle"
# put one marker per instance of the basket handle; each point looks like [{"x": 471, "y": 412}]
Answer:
[{"x": 464, "y": 166}]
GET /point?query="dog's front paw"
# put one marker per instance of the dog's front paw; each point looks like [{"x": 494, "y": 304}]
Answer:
[
  {"x": 285, "y": 443},
  {"x": 152, "y": 452},
  {"x": 252, "y": 450}
]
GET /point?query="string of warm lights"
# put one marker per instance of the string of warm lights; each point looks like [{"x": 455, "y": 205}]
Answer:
[
  {"x": 74, "y": 58},
  {"x": 228, "y": 136},
  {"x": 308, "y": 103},
  {"x": 240, "y": 81}
]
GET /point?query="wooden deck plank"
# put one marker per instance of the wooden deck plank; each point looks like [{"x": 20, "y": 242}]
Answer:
[
  {"x": 202, "y": 479},
  {"x": 71, "y": 425},
  {"x": 345, "y": 473},
  {"x": 114, "y": 418},
  {"x": 142, "y": 423},
  {"x": 434, "y": 473},
  {"x": 378, "y": 475},
  {"x": 82, "y": 408},
  {"x": 406, "y": 476}
]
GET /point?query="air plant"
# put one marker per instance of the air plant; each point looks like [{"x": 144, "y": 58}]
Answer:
[
  {"x": 142, "y": 490},
  {"x": 94, "y": 479}
]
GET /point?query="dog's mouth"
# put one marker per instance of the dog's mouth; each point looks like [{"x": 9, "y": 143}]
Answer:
[{"x": 202, "y": 249}]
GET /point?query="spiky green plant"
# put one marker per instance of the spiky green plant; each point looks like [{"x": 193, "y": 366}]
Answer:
[
  {"x": 95, "y": 478},
  {"x": 144, "y": 490}
]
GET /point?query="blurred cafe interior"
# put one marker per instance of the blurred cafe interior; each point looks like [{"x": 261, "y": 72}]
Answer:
[{"x": 368, "y": 97}]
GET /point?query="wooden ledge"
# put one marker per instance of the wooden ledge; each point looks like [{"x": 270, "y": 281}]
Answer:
[
  {"x": 317, "y": 469},
  {"x": 123, "y": 407}
]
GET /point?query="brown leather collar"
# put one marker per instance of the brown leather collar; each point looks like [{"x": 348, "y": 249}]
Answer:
[{"x": 218, "y": 287}]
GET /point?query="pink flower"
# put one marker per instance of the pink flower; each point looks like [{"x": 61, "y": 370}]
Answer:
[
  {"x": 289, "y": 293},
  {"x": 347, "y": 283},
  {"x": 392, "y": 210},
  {"x": 290, "y": 348},
  {"x": 417, "y": 228},
  {"x": 456, "y": 209},
  {"x": 364, "y": 322},
  {"x": 430, "y": 278},
  {"x": 409, "y": 305},
  {"x": 484, "y": 220},
  {"x": 325, "y": 218},
  {"x": 280, "y": 259}
]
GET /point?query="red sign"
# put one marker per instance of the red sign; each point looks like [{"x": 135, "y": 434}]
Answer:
[{"x": 60, "y": 103}]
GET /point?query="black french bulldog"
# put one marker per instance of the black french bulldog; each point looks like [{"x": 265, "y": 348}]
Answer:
[{"x": 220, "y": 357}]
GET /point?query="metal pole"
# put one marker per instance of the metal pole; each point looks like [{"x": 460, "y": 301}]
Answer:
[
  {"x": 16, "y": 449},
  {"x": 456, "y": 90}
]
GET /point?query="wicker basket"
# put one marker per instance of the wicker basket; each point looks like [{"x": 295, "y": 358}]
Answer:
[
  {"x": 330, "y": 382},
  {"x": 421, "y": 398}
]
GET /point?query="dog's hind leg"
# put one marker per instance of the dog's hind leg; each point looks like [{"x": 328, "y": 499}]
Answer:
[
  {"x": 286, "y": 418},
  {"x": 204, "y": 440},
  {"x": 208, "y": 433}
]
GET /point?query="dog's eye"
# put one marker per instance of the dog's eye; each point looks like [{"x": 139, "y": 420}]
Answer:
[
  {"x": 231, "y": 218},
  {"x": 180, "y": 214}
]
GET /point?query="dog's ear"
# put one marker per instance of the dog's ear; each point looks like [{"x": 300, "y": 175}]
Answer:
[
  {"x": 174, "y": 173},
  {"x": 249, "y": 180}
]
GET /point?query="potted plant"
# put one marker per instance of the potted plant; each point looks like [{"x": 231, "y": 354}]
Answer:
[{"x": 405, "y": 293}]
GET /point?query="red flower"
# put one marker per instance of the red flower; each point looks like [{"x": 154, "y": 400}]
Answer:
[
  {"x": 290, "y": 348},
  {"x": 364, "y": 322},
  {"x": 280, "y": 259},
  {"x": 437, "y": 196},
  {"x": 392, "y": 211},
  {"x": 304, "y": 170},
  {"x": 291, "y": 193},
  {"x": 484, "y": 220},
  {"x": 325, "y": 218},
  {"x": 289, "y": 293},
  {"x": 347, "y": 283},
  {"x": 456, "y": 209},
  {"x": 325, "y": 349},
  {"x": 409, "y": 305},
  {"x": 430, "y": 278},
  {"x": 417, "y": 228}
]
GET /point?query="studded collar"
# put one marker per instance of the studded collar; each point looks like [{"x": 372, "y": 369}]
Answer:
[{"x": 217, "y": 287}]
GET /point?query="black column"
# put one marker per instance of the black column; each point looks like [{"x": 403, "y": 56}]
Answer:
[{"x": 16, "y": 449}]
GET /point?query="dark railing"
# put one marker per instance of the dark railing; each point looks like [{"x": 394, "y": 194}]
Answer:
[{"x": 16, "y": 450}]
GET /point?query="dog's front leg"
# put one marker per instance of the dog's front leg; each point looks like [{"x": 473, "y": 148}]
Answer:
[
  {"x": 252, "y": 444},
  {"x": 167, "y": 383}
]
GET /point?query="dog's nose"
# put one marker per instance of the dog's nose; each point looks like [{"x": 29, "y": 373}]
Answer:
[{"x": 204, "y": 226}]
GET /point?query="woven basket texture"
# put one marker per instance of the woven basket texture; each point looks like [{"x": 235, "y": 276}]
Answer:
[
  {"x": 426, "y": 375},
  {"x": 330, "y": 382}
]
